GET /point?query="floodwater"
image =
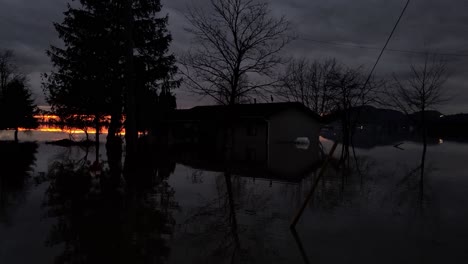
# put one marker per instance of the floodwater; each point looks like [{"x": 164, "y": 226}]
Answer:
[{"x": 57, "y": 206}]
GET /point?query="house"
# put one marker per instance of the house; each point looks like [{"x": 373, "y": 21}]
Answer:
[
  {"x": 270, "y": 123},
  {"x": 264, "y": 136}
]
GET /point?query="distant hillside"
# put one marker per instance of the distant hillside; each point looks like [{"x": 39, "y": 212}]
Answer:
[
  {"x": 370, "y": 115},
  {"x": 395, "y": 121},
  {"x": 430, "y": 116},
  {"x": 373, "y": 115}
]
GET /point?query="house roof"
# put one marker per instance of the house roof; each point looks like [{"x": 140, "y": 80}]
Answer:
[{"x": 264, "y": 111}]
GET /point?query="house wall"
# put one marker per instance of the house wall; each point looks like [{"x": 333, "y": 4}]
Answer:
[
  {"x": 250, "y": 140},
  {"x": 288, "y": 125},
  {"x": 285, "y": 157}
]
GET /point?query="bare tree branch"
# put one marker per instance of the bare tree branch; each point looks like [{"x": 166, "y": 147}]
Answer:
[
  {"x": 237, "y": 43},
  {"x": 422, "y": 90}
]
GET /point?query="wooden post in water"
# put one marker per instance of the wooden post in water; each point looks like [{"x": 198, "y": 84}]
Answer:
[{"x": 314, "y": 186}]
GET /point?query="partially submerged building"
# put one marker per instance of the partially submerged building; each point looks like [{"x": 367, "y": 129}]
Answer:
[
  {"x": 277, "y": 137},
  {"x": 266, "y": 123}
]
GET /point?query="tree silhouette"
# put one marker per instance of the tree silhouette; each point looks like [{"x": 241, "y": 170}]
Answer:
[
  {"x": 7, "y": 69},
  {"x": 238, "y": 40},
  {"x": 418, "y": 93},
  {"x": 17, "y": 107},
  {"x": 310, "y": 83},
  {"x": 82, "y": 81},
  {"x": 112, "y": 49},
  {"x": 330, "y": 89},
  {"x": 153, "y": 104}
]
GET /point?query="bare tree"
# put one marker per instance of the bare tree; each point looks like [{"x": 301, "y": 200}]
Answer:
[
  {"x": 8, "y": 70},
  {"x": 347, "y": 95},
  {"x": 421, "y": 91},
  {"x": 328, "y": 87},
  {"x": 238, "y": 43},
  {"x": 310, "y": 83}
]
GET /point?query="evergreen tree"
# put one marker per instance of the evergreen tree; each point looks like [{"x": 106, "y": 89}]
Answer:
[
  {"x": 17, "y": 107},
  {"x": 95, "y": 72},
  {"x": 149, "y": 67},
  {"x": 81, "y": 82}
]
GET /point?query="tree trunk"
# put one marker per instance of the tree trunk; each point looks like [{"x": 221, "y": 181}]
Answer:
[
  {"x": 97, "y": 143},
  {"x": 114, "y": 157},
  {"x": 345, "y": 139},
  {"x": 116, "y": 117},
  {"x": 131, "y": 133},
  {"x": 423, "y": 157},
  {"x": 16, "y": 135},
  {"x": 112, "y": 131}
]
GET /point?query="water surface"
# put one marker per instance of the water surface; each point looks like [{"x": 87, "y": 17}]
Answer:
[{"x": 56, "y": 206}]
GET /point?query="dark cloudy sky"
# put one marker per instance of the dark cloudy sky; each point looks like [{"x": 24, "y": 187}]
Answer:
[{"x": 429, "y": 25}]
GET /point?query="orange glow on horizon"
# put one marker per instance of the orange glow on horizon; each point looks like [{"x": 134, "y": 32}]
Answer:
[
  {"x": 49, "y": 123},
  {"x": 68, "y": 131}
]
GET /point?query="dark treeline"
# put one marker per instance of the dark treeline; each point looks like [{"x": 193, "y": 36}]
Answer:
[
  {"x": 390, "y": 121},
  {"x": 114, "y": 62}
]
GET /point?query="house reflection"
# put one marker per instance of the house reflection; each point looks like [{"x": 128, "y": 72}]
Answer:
[{"x": 283, "y": 161}]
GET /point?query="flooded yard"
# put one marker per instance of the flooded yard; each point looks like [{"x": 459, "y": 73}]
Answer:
[{"x": 58, "y": 206}]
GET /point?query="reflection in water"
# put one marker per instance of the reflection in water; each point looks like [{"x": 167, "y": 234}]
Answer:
[
  {"x": 208, "y": 210},
  {"x": 226, "y": 229},
  {"x": 16, "y": 162},
  {"x": 227, "y": 226},
  {"x": 300, "y": 246},
  {"x": 231, "y": 225},
  {"x": 276, "y": 161},
  {"x": 342, "y": 186},
  {"x": 103, "y": 218}
]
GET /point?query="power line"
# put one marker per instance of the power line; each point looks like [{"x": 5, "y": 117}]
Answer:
[
  {"x": 386, "y": 43},
  {"x": 361, "y": 46}
]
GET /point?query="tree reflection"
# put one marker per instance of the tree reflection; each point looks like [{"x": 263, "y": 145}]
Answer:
[
  {"x": 16, "y": 162},
  {"x": 409, "y": 194},
  {"x": 220, "y": 230},
  {"x": 214, "y": 224},
  {"x": 340, "y": 185},
  {"x": 103, "y": 218},
  {"x": 239, "y": 218}
]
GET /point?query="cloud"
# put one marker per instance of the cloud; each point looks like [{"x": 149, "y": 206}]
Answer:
[{"x": 434, "y": 25}]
